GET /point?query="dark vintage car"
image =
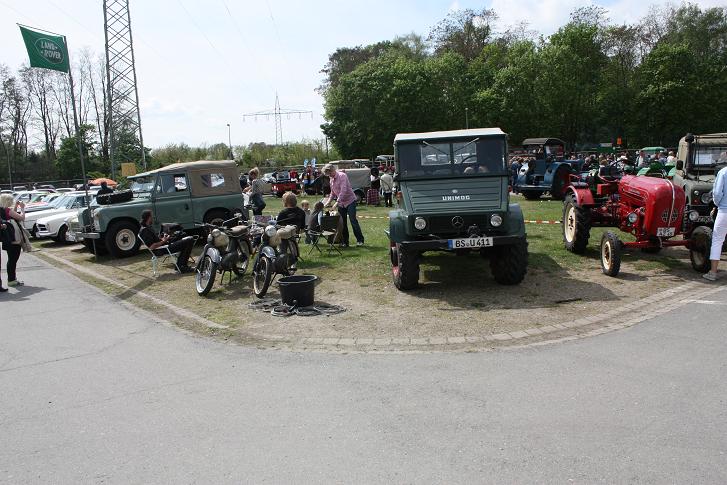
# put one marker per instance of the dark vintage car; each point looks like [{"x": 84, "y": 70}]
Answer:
[{"x": 547, "y": 171}]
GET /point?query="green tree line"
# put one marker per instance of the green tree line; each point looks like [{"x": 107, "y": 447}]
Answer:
[{"x": 591, "y": 81}]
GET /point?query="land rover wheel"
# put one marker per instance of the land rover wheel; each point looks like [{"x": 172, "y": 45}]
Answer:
[
  {"x": 700, "y": 245},
  {"x": 509, "y": 264},
  {"x": 532, "y": 194},
  {"x": 576, "y": 226},
  {"x": 404, "y": 268},
  {"x": 121, "y": 239},
  {"x": 610, "y": 254},
  {"x": 216, "y": 217}
]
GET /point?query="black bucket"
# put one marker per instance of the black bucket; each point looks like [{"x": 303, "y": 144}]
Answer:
[{"x": 298, "y": 290}]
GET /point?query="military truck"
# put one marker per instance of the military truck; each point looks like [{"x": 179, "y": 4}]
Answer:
[
  {"x": 183, "y": 193},
  {"x": 454, "y": 197},
  {"x": 699, "y": 158}
]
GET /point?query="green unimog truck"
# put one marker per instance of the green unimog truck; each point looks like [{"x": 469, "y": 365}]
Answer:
[
  {"x": 184, "y": 193},
  {"x": 453, "y": 196},
  {"x": 699, "y": 159}
]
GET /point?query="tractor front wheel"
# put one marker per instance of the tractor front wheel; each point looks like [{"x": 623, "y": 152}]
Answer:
[
  {"x": 576, "y": 226},
  {"x": 510, "y": 263},
  {"x": 610, "y": 254},
  {"x": 404, "y": 268},
  {"x": 700, "y": 245}
]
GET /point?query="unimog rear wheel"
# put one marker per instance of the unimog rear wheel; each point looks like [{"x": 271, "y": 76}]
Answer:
[
  {"x": 404, "y": 268},
  {"x": 610, "y": 254},
  {"x": 700, "y": 245},
  {"x": 576, "y": 226},
  {"x": 509, "y": 264}
]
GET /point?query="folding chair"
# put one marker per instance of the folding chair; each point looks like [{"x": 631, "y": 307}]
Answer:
[
  {"x": 329, "y": 231},
  {"x": 167, "y": 254}
]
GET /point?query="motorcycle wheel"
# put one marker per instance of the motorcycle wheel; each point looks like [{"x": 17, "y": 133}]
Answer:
[
  {"x": 204, "y": 278},
  {"x": 291, "y": 255},
  {"x": 243, "y": 253},
  {"x": 262, "y": 275}
]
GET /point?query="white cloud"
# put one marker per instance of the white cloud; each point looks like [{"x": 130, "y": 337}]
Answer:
[{"x": 454, "y": 6}]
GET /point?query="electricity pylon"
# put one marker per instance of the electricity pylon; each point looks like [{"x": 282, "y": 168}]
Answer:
[
  {"x": 122, "y": 94},
  {"x": 278, "y": 113}
]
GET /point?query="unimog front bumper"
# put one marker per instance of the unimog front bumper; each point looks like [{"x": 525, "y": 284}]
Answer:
[{"x": 446, "y": 244}]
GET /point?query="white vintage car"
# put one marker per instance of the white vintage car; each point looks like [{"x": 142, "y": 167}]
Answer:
[
  {"x": 69, "y": 202},
  {"x": 55, "y": 226}
]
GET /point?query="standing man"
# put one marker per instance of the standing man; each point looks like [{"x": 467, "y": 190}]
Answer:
[
  {"x": 387, "y": 187},
  {"x": 341, "y": 189},
  {"x": 720, "y": 223}
]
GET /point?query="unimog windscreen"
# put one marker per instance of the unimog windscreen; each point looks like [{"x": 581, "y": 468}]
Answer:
[{"x": 437, "y": 158}]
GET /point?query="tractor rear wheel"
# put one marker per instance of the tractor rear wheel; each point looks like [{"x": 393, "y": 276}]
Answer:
[
  {"x": 576, "y": 226},
  {"x": 610, "y": 254},
  {"x": 700, "y": 245},
  {"x": 509, "y": 264},
  {"x": 404, "y": 268}
]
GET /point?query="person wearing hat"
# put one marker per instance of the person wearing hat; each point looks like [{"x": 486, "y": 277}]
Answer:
[{"x": 346, "y": 201}]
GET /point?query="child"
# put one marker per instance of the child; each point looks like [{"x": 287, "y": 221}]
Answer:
[
  {"x": 305, "y": 205},
  {"x": 291, "y": 214}
]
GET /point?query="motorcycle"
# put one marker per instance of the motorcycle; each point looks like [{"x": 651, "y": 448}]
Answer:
[
  {"x": 228, "y": 249},
  {"x": 277, "y": 254}
]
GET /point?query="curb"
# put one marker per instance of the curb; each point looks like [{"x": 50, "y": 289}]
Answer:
[{"x": 616, "y": 319}]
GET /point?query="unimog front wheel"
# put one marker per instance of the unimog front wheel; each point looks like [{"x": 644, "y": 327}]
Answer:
[
  {"x": 404, "y": 268},
  {"x": 576, "y": 226},
  {"x": 700, "y": 245},
  {"x": 610, "y": 254},
  {"x": 509, "y": 264}
]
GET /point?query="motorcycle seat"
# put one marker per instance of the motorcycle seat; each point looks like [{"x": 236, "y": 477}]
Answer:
[
  {"x": 287, "y": 232},
  {"x": 240, "y": 230}
]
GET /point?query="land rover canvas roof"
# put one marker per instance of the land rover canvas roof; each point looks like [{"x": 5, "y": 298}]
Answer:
[
  {"x": 200, "y": 164},
  {"x": 432, "y": 135}
]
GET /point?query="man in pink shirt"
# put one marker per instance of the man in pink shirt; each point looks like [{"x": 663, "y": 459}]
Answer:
[{"x": 342, "y": 191}]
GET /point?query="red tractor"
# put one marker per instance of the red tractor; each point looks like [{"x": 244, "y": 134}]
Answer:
[{"x": 652, "y": 209}]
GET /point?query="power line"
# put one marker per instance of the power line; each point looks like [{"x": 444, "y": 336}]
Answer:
[
  {"x": 191, "y": 19},
  {"x": 250, "y": 51}
]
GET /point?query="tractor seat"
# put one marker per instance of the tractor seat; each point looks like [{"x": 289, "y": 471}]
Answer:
[
  {"x": 610, "y": 172},
  {"x": 239, "y": 230}
]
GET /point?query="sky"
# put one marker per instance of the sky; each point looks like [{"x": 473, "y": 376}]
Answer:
[{"x": 202, "y": 64}]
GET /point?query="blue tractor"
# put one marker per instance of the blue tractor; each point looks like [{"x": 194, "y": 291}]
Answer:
[{"x": 545, "y": 170}]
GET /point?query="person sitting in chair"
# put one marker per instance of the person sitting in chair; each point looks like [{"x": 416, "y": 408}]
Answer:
[
  {"x": 291, "y": 214},
  {"x": 154, "y": 242}
]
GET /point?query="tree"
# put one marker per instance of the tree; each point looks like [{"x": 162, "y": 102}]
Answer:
[
  {"x": 465, "y": 32},
  {"x": 69, "y": 162}
]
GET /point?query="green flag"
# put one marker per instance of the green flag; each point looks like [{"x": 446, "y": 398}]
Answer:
[{"x": 45, "y": 50}]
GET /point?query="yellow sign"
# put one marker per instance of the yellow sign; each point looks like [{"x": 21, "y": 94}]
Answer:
[{"x": 128, "y": 169}]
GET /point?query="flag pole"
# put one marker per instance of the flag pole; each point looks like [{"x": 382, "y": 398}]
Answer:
[{"x": 79, "y": 142}]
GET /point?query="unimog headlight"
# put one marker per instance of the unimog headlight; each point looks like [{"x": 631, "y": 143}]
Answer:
[
  {"x": 693, "y": 216},
  {"x": 633, "y": 217},
  {"x": 496, "y": 220},
  {"x": 420, "y": 223},
  {"x": 706, "y": 197}
]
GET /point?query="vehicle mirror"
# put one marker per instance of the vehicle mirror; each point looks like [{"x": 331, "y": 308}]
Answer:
[
  {"x": 680, "y": 164},
  {"x": 689, "y": 138}
]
